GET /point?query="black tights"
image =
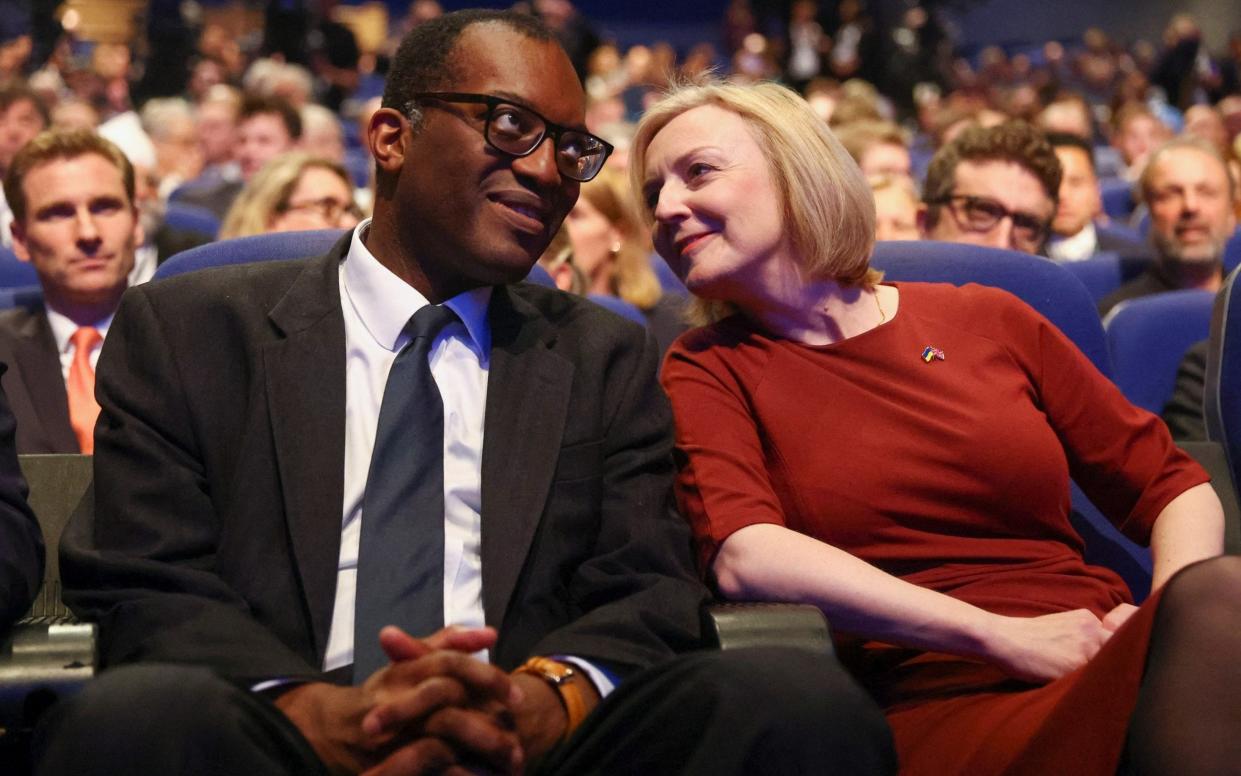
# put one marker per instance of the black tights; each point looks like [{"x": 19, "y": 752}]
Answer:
[{"x": 1188, "y": 714}]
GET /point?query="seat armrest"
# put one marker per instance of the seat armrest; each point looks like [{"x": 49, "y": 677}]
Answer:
[
  {"x": 41, "y": 662},
  {"x": 740, "y": 625}
]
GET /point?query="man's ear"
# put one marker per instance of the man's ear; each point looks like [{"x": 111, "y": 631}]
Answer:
[
  {"x": 925, "y": 222},
  {"x": 386, "y": 134},
  {"x": 19, "y": 240}
]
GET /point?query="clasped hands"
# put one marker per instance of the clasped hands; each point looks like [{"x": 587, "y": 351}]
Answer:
[{"x": 433, "y": 709}]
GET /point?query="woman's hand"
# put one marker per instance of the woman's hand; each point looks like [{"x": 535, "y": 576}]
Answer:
[{"x": 1040, "y": 649}]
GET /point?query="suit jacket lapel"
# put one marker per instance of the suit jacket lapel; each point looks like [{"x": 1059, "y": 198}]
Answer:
[
  {"x": 38, "y": 360},
  {"x": 527, "y": 403},
  {"x": 305, "y": 374}
]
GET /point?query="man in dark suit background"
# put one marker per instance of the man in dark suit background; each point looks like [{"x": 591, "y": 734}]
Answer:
[
  {"x": 74, "y": 220},
  {"x": 21, "y": 542},
  {"x": 241, "y": 408}
]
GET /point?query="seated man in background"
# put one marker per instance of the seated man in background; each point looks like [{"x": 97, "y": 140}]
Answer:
[
  {"x": 21, "y": 542},
  {"x": 1191, "y": 197},
  {"x": 1136, "y": 132},
  {"x": 75, "y": 221},
  {"x": 294, "y": 455},
  {"x": 896, "y": 207},
  {"x": 993, "y": 186},
  {"x": 266, "y": 128},
  {"x": 878, "y": 147},
  {"x": 1073, "y": 233},
  {"x": 22, "y": 116}
]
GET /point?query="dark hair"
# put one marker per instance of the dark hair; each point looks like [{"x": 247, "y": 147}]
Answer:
[
  {"x": 1012, "y": 141},
  {"x": 16, "y": 91},
  {"x": 1068, "y": 140},
  {"x": 56, "y": 144},
  {"x": 255, "y": 105},
  {"x": 423, "y": 62}
]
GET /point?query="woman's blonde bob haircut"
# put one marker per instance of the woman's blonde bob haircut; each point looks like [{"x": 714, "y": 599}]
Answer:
[
  {"x": 268, "y": 192},
  {"x": 827, "y": 204}
]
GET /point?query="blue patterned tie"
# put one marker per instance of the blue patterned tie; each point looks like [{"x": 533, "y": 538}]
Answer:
[{"x": 401, "y": 550}]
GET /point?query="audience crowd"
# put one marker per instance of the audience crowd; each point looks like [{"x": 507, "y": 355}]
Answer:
[{"x": 1082, "y": 152}]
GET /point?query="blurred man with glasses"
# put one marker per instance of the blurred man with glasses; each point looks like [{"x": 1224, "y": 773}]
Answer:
[
  {"x": 402, "y": 433},
  {"x": 994, "y": 186},
  {"x": 1191, "y": 199}
]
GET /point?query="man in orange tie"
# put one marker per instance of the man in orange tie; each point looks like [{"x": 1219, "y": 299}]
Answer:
[{"x": 74, "y": 220}]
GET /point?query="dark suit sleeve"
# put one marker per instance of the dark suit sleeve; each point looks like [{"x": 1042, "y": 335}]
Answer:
[
  {"x": 21, "y": 542},
  {"x": 140, "y": 559},
  {"x": 637, "y": 598},
  {"x": 1184, "y": 411}
]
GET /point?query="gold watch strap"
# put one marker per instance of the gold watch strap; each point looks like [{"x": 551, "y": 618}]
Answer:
[{"x": 566, "y": 681}]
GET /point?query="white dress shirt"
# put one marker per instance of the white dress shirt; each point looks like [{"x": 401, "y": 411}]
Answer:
[
  {"x": 377, "y": 305},
  {"x": 1079, "y": 247},
  {"x": 63, "y": 328}
]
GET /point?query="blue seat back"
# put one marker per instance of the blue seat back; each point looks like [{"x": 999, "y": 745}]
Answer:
[
  {"x": 1049, "y": 288},
  {"x": 191, "y": 218},
  {"x": 668, "y": 280},
  {"x": 618, "y": 306},
  {"x": 1222, "y": 392},
  {"x": 21, "y": 296},
  {"x": 244, "y": 250},
  {"x": 1117, "y": 198},
  {"x": 15, "y": 273},
  {"x": 1232, "y": 252},
  {"x": 274, "y": 247},
  {"x": 1041, "y": 283},
  {"x": 1100, "y": 274},
  {"x": 1147, "y": 338}
]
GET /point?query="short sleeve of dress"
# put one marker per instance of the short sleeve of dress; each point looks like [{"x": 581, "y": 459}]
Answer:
[
  {"x": 1122, "y": 456},
  {"x": 723, "y": 483}
]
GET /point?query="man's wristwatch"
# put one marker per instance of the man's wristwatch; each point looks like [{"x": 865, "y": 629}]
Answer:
[{"x": 566, "y": 681}]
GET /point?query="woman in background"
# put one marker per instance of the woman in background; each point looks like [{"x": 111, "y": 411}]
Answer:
[
  {"x": 293, "y": 192},
  {"x": 899, "y": 454},
  {"x": 613, "y": 253}
]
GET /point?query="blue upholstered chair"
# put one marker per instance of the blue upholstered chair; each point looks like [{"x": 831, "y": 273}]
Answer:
[
  {"x": 1117, "y": 196},
  {"x": 21, "y": 296},
  {"x": 1222, "y": 393},
  {"x": 273, "y": 247},
  {"x": 1052, "y": 290},
  {"x": 1043, "y": 284},
  {"x": 244, "y": 250},
  {"x": 191, "y": 218},
  {"x": 14, "y": 272},
  {"x": 1100, "y": 274},
  {"x": 1147, "y": 338},
  {"x": 618, "y": 306}
]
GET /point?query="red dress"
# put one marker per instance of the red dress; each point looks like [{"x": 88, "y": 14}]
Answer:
[{"x": 952, "y": 474}]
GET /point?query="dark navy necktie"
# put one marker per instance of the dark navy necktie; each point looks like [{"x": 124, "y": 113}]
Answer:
[{"x": 400, "y": 577}]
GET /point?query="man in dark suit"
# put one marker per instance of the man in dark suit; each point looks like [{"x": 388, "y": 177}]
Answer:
[
  {"x": 1076, "y": 233},
  {"x": 72, "y": 194},
  {"x": 246, "y": 409},
  {"x": 1192, "y": 202},
  {"x": 21, "y": 542}
]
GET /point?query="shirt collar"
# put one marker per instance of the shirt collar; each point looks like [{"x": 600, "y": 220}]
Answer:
[
  {"x": 63, "y": 327},
  {"x": 1082, "y": 245},
  {"x": 385, "y": 303}
]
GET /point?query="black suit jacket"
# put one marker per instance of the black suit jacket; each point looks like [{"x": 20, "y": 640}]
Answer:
[
  {"x": 21, "y": 542},
  {"x": 219, "y": 456},
  {"x": 34, "y": 382}
]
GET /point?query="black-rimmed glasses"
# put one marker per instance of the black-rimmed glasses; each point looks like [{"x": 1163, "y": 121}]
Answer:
[
  {"x": 981, "y": 214},
  {"x": 517, "y": 130}
]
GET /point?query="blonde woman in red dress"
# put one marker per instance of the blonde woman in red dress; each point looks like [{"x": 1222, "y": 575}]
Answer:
[{"x": 899, "y": 454}]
